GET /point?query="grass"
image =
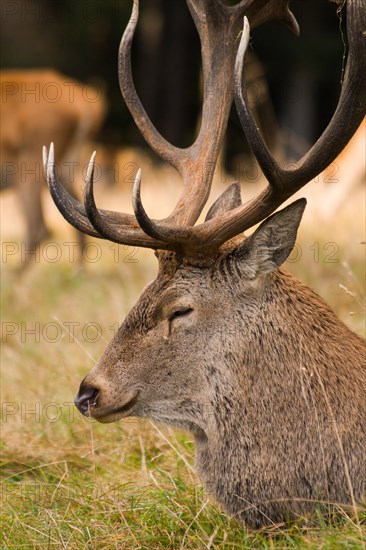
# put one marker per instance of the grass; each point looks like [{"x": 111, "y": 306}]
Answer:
[{"x": 71, "y": 483}]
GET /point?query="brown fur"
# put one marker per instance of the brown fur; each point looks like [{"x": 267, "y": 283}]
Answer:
[{"x": 269, "y": 381}]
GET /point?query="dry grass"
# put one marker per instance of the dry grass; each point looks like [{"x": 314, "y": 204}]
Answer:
[{"x": 70, "y": 483}]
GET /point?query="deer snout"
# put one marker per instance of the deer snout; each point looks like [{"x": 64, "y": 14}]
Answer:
[{"x": 86, "y": 397}]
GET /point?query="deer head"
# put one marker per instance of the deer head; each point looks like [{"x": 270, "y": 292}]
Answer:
[{"x": 193, "y": 349}]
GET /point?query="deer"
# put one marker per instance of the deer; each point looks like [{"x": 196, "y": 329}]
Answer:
[
  {"x": 224, "y": 342},
  {"x": 36, "y": 104}
]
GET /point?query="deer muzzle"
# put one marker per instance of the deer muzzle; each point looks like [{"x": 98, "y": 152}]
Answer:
[{"x": 94, "y": 401}]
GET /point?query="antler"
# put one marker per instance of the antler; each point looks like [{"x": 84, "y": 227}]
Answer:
[
  {"x": 218, "y": 26},
  {"x": 284, "y": 183},
  {"x": 196, "y": 164},
  {"x": 105, "y": 224}
]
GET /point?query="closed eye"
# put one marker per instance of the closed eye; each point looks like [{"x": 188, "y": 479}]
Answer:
[{"x": 180, "y": 313}]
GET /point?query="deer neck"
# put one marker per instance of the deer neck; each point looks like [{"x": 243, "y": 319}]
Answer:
[{"x": 293, "y": 372}]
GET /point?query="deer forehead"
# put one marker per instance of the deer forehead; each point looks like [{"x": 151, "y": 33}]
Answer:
[{"x": 185, "y": 287}]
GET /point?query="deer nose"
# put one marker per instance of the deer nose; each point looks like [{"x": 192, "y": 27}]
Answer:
[{"x": 86, "y": 398}]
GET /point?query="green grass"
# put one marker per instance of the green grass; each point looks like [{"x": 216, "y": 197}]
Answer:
[{"x": 71, "y": 483}]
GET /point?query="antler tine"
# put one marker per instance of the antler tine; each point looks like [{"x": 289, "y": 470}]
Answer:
[
  {"x": 254, "y": 137},
  {"x": 104, "y": 230},
  {"x": 284, "y": 183},
  {"x": 121, "y": 233},
  {"x": 146, "y": 224},
  {"x": 66, "y": 204},
  {"x": 177, "y": 237},
  {"x": 115, "y": 226},
  {"x": 163, "y": 148}
]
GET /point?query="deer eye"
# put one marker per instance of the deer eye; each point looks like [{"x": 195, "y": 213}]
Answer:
[{"x": 181, "y": 312}]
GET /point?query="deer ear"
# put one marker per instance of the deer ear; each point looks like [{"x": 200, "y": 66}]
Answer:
[
  {"x": 228, "y": 200},
  {"x": 271, "y": 243}
]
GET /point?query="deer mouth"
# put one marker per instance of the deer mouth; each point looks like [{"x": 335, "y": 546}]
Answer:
[{"x": 106, "y": 415}]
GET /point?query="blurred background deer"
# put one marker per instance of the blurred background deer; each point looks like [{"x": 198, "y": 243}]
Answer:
[{"x": 36, "y": 104}]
